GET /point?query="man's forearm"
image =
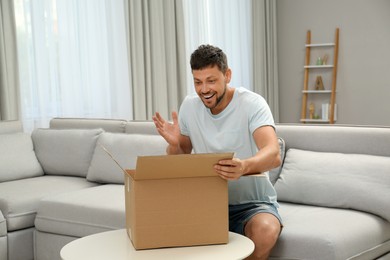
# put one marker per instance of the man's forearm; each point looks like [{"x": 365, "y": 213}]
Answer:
[{"x": 262, "y": 161}]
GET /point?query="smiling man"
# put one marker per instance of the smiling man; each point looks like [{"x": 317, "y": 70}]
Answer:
[{"x": 221, "y": 118}]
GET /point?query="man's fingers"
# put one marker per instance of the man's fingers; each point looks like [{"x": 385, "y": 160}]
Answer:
[
  {"x": 228, "y": 176},
  {"x": 225, "y": 168},
  {"x": 157, "y": 122},
  {"x": 227, "y": 163},
  {"x": 159, "y": 118},
  {"x": 174, "y": 118},
  {"x": 229, "y": 169}
]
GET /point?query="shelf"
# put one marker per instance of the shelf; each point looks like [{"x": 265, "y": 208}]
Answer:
[
  {"x": 320, "y": 45},
  {"x": 317, "y": 91},
  {"x": 317, "y": 66}
]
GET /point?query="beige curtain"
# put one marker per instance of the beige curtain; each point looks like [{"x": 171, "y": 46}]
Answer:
[
  {"x": 156, "y": 43},
  {"x": 265, "y": 66},
  {"x": 9, "y": 82}
]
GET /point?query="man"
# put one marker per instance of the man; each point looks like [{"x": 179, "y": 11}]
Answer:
[{"x": 220, "y": 118}]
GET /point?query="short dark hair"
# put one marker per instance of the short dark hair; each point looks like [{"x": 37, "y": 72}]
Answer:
[{"x": 208, "y": 56}]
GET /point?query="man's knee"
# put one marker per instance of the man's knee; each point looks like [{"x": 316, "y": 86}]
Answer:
[{"x": 264, "y": 225}]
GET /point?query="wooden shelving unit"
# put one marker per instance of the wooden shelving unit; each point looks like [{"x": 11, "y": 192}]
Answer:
[{"x": 308, "y": 68}]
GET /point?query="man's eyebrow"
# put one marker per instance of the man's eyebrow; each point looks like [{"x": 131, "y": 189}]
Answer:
[
  {"x": 209, "y": 77},
  {"x": 212, "y": 77}
]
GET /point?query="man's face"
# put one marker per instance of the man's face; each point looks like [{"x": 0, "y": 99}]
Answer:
[{"x": 211, "y": 85}]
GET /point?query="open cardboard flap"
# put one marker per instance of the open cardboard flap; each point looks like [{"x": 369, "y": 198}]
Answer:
[{"x": 177, "y": 166}]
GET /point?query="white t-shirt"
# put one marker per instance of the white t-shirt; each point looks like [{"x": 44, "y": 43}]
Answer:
[{"x": 231, "y": 131}]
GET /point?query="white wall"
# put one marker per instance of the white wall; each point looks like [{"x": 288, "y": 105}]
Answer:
[{"x": 363, "y": 81}]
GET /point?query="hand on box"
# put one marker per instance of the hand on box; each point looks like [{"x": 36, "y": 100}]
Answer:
[{"x": 230, "y": 169}]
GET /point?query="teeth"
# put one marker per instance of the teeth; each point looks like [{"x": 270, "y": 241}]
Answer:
[{"x": 209, "y": 96}]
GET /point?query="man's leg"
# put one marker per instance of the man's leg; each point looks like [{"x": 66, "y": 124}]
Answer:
[{"x": 263, "y": 229}]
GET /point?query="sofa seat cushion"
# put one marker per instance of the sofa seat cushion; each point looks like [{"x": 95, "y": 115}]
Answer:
[
  {"x": 18, "y": 160},
  {"x": 3, "y": 238},
  {"x": 339, "y": 180},
  {"x": 65, "y": 152},
  {"x": 3, "y": 225},
  {"x": 83, "y": 212},
  {"x": 312, "y": 232},
  {"x": 19, "y": 199},
  {"x": 124, "y": 148},
  {"x": 3, "y": 247}
]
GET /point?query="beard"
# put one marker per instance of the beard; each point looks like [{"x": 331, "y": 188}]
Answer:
[{"x": 218, "y": 100}]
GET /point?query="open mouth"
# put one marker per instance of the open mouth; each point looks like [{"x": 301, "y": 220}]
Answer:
[{"x": 208, "y": 96}]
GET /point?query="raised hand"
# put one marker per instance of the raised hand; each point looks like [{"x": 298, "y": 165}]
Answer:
[{"x": 169, "y": 131}]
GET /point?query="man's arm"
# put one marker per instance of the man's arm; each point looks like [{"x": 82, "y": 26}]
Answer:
[
  {"x": 267, "y": 158},
  {"x": 185, "y": 146}
]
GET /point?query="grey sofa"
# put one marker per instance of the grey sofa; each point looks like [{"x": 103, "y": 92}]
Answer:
[{"x": 333, "y": 186}]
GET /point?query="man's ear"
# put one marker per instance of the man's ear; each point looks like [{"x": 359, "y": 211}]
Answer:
[{"x": 228, "y": 75}]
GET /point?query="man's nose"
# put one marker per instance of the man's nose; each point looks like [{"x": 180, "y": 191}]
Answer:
[{"x": 204, "y": 88}]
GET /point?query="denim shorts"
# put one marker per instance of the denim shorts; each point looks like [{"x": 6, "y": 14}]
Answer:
[{"x": 240, "y": 214}]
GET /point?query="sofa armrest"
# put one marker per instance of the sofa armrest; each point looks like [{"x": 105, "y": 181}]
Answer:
[{"x": 13, "y": 126}]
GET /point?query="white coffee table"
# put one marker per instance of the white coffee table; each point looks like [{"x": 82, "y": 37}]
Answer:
[{"x": 116, "y": 245}]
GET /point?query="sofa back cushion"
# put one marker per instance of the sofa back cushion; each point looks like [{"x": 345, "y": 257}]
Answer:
[
  {"x": 352, "y": 181},
  {"x": 144, "y": 127},
  {"x": 124, "y": 148},
  {"x": 336, "y": 138},
  {"x": 108, "y": 125},
  {"x": 18, "y": 160},
  {"x": 65, "y": 152}
]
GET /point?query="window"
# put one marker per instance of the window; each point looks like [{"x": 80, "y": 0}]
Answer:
[
  {"x": 73, "y": 56},
  {"x": 73, "y": 60}
]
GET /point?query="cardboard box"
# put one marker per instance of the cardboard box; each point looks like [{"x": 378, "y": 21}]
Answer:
[{"x": 176, "y": 200}]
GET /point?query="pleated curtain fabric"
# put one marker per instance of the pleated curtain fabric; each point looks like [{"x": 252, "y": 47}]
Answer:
[
  {"x": 265, "y": 65},
  {"x": 9, "y": 81},
  {"x": 157, "y": 56}
]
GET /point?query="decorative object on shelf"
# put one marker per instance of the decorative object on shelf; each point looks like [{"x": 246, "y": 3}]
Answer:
[
  {"x": 319, "y": 83},
  {"x": 319, "y": 61},
  {"x": 312, "y": 109},
  {"x": 325, "y": 111},
  {"x": 325, "y": 59}
]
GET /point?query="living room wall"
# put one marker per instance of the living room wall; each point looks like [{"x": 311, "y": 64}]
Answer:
[{"x": 363, "y": 80}]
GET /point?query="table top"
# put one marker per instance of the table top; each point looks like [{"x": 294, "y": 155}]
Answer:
[{"x": 117, "y": 245}]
